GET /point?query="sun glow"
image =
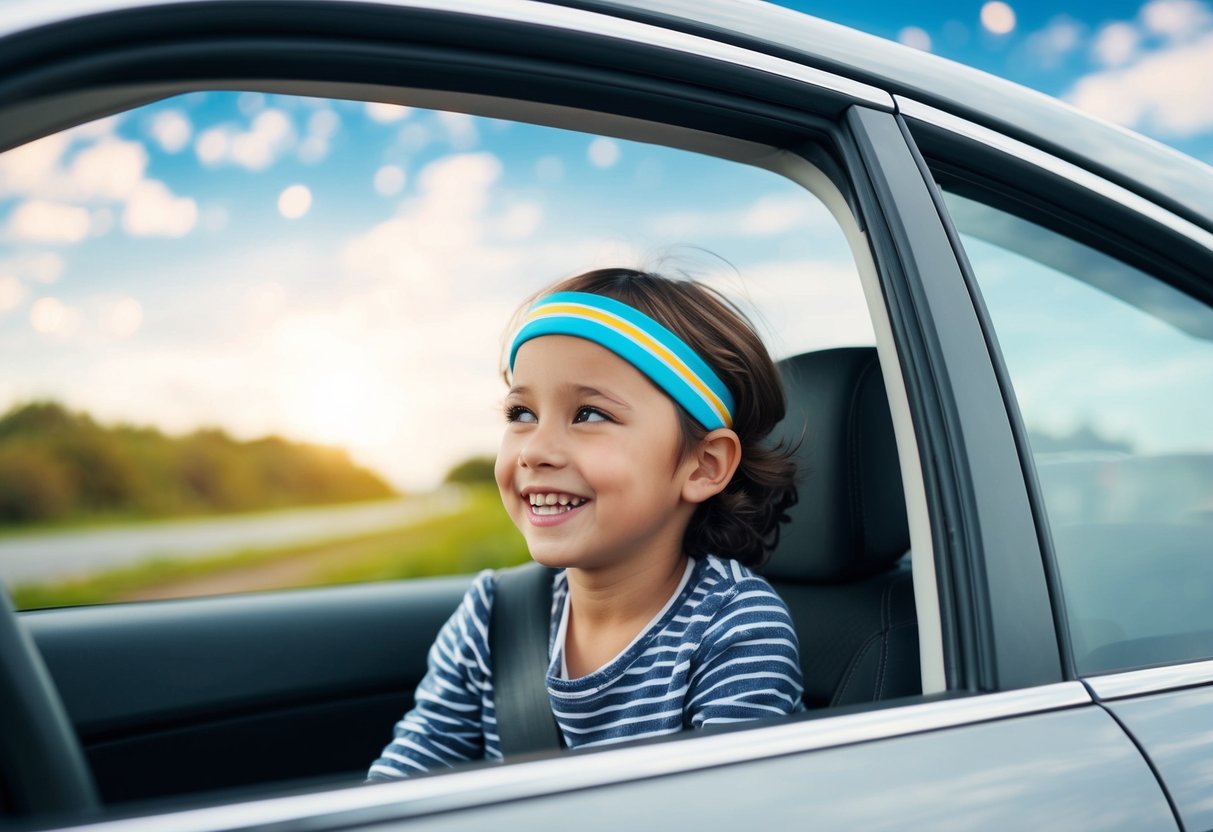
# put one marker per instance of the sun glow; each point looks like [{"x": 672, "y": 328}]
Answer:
[{"x": 342, "y": 404}]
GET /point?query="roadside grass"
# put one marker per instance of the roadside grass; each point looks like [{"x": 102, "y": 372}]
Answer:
[{"x": 477, "y": 536}]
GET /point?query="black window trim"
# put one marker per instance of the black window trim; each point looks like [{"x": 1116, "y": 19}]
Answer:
[{"x": 999, "y": 631}]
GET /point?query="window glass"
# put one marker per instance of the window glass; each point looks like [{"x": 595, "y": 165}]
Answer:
[
  {"x": 1113, "y": 372},
  {"x": 251, "y": 341}
]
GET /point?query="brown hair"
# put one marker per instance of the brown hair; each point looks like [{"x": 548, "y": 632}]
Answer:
[{"x": 742, "y": 521}]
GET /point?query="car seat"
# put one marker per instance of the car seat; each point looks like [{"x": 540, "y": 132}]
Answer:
[{"x": 840, "y": 562}]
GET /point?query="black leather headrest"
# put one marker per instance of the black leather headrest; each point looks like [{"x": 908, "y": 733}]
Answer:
[{"x": 851, "y": 519}]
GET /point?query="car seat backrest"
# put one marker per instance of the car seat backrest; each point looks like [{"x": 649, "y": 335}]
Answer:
[{"x": 837, "y": 562}]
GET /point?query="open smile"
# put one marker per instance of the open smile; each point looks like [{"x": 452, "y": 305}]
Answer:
[{"x": 549, "y": 508}]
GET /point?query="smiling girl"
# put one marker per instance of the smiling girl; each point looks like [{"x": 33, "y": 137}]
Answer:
[{"x": 633, "y": 462}]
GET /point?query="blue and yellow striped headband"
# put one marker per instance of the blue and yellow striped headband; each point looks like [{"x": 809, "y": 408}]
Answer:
[{"x": 641, "y": 341}]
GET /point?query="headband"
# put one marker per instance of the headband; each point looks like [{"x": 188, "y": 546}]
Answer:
[{"x": 641, "y": 341}]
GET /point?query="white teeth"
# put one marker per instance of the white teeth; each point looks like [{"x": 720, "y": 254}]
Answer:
[{"x": 553, "y": 502}]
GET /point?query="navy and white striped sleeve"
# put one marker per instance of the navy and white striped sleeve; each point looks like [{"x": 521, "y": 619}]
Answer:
[
  {"x": 447, "y": 724},
  {"x": 750, "y": 661}
]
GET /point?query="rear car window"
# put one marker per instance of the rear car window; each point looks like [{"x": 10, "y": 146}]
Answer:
[{"x": 1113, "y": 372}]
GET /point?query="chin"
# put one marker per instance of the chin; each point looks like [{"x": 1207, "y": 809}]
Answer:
[{"x": 554, "y": 560}]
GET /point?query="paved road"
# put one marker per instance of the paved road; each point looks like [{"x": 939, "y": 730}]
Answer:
[{"x": 58, "y": 554}]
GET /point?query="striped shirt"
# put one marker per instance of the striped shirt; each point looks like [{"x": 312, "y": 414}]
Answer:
[{"x": 722, "y": 650}]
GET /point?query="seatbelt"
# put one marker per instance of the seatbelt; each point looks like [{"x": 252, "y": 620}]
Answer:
[{"x": 519, "y": 625}]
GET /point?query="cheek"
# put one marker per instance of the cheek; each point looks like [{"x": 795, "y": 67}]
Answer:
[
  {"x": 503, "y": 468},
  {"x": 622, "y": 471}
]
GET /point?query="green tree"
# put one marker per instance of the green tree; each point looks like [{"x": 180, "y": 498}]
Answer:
[
  {"x": 478, "y": 469},
  {"x": 34, "y": 486}
]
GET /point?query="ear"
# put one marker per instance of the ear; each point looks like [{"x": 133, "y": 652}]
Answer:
[{"x": 712, "y": 464}]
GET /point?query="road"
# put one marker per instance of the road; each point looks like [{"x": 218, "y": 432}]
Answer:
[{"x": 51, "y": 555}]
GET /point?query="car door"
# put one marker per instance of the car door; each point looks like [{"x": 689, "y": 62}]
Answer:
[
  {"x": 1101, "y": 306},
  {"x": 1004, "y": 733}
]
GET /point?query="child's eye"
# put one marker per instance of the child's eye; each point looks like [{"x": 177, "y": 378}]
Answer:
[
  {"x": 518, "y": 413},
  {"x": 590, "y": 414}
]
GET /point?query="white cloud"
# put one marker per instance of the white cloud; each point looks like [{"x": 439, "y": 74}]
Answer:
[
  {"x": 1055, "y": 41},
  {"x": 389, "y": 180},
  {"x": 42, "y": 221},
  {"x": 1175, "y": 19},
  {"x": 1116, "y": 44},
  {"x": 122, "y": 317},
  {"x": 111, "y": 169},
  {"x": 916, "y": 37},
  {"x": 323, "y": 123},
  {"x": 386, "y": 113},
  {"x": 152, "y": 210},
  {"x": 96, "y": 129},
  {"x": 35, "y": 267},
  {"x": 520, "y": 221},
  {"x": 250, "y": 103},
  {"x": 211, "y": 146},
  {"x": 1166, "y": 90},
  {"x": 458, "y": 187},
  {"x": 321, "y": 126},
  {"x": 776, "y": 214},
  {"x": 408, "y": 259},
  {"x": 11, "y": 292},
  {"x": 603, "y": 153},
  {"x": 270, "y": 134},
  {"x": 260, "y": 147},
  {"x": 997, "y": 17},
  {"x": 802, "y": 305},
  {"x": 294, "y": 201},
  {"x": 172, "y": 130},
  {"x": 30, "y": 167},
  {"x": 460, "y": 129},
  {"x": 52, "y": 317},
  {"x": 764, "y": 217}
]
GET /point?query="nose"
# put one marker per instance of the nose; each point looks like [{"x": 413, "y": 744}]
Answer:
[{"x": 543, "y": 447}]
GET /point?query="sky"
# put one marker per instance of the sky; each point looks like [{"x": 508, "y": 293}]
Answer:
[
  {"x": 1145, "y": 66},
  {"x": 344, "y": 272}
]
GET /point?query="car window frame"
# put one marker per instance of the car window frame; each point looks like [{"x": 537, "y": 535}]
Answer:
[{"x": 1080, "y": 205}]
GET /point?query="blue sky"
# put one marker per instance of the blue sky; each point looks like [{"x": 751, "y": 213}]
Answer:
[
  {"x": 343, "y": 272},
  {"x": 1143, "y": 65}
]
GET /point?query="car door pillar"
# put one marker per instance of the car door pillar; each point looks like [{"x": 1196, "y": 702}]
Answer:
[{"x": 998, "y": 629}]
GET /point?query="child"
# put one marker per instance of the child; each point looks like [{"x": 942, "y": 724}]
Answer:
[{"x": 632, "y": 461}]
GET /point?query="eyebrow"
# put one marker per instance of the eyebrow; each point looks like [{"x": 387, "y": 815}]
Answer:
[{"x": 578, "y": 390}]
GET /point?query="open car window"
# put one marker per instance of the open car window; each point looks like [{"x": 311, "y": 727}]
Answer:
[{"x": 253, "y": 340}]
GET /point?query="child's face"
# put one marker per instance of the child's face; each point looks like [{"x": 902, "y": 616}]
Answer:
[{"x": 588, "y": 427}]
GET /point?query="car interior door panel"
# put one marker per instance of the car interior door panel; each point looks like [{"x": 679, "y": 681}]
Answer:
[{"x": 160, "y": 692}]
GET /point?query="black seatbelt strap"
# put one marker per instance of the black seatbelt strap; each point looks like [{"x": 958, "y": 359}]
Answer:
[{"x": 518, "y": 640}]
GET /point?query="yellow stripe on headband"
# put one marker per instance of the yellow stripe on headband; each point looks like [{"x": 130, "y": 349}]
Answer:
[{"x": 638, "y": 335}]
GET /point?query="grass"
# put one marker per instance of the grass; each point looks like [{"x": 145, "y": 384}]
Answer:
[{"x": 478, "y": 536}]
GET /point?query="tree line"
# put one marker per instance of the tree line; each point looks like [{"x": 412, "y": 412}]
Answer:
[{"x": 59, "y": 465}]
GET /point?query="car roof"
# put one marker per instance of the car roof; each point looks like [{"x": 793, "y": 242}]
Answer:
[{"x": 1159, "y": 173}]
